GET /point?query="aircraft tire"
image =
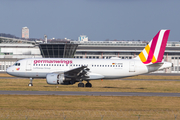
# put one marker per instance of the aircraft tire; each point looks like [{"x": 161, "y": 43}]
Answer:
[
  {"x": 30, "y": 84},
  {"x": 88, "y": 85},
  {"x": 81, "y": 85}
]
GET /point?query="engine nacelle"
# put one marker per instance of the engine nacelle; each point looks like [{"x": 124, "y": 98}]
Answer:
[{"x": 54, "y": 79}]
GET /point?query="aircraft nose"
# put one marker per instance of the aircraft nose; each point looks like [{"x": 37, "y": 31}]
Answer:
[{"x": 8, "y": 70}]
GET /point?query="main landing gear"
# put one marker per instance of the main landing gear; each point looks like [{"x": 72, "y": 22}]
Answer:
[
  {"x": 88, "y": 84},
  {"x": 30, "y": 82}
]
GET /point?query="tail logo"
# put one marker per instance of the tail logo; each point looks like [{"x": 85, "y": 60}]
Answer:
[{"x": 154, "y": 51}]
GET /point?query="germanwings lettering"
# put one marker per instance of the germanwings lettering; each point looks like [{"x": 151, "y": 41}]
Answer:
[{"x": 53, "y": 61}]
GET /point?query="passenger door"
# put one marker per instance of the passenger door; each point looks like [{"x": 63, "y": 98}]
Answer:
[{"x": 28, "y": 65}]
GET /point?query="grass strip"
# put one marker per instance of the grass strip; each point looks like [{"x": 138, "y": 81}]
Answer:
[{"x": 88, "y": 107}]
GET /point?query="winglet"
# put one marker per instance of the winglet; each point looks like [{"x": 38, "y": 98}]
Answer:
[{"x": 154, "y": 51}]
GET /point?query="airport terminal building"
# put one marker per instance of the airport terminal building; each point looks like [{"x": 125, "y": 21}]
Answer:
[{"x": 12, "y": 50}]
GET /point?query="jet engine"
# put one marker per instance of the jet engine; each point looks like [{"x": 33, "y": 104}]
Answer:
[{"x": 54, "y": 79}]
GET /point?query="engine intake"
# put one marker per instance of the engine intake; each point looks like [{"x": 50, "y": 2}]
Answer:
[{"x": 54, "y": 79}]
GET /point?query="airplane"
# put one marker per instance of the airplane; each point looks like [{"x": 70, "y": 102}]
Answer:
[{"x": 68, "y": 71}]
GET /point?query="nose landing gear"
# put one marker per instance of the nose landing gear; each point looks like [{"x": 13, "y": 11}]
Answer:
[{"x": 30, "y": 83}]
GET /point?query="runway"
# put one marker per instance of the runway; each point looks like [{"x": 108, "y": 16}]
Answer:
[{"x": 74, "y": 93}]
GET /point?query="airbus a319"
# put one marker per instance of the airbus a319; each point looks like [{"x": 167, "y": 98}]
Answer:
[{"x": 68, "y": 71}]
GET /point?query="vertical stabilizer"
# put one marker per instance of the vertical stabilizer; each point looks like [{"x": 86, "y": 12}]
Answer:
[{"x": 154, "y": 51}]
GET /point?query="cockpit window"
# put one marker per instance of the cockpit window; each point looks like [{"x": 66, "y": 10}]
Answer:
[{"x": 17, "y": 64}]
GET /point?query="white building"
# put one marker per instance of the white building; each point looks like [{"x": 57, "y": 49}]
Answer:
[
  {"x": 83, "y": 38},
  {"x": 25, "y": 32}
]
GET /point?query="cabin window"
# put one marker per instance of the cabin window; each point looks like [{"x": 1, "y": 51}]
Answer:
[
  {"x": 41, "y": 64},
  {"x": 110, "y": 65},
  {"x": 57, "y": 64},
  {"x": 33, "y": 64},
  {"x": 54, "y": 64},
  {"x": 66, "y": 64}
]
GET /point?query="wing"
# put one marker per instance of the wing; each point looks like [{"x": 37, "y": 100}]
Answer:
[{"x": 78, "y": 73}]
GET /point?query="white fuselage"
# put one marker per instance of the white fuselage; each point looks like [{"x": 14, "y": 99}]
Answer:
[{"x": 99, "y": 68}]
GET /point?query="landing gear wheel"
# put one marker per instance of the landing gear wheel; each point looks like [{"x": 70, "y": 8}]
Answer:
[
  {"x": 88, "y": 84},
  {"x": 30, "y": 84},
  {"x": 81, "y": 85}
]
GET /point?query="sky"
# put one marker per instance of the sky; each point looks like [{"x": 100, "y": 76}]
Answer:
[{"x": 98, "y": 19}]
